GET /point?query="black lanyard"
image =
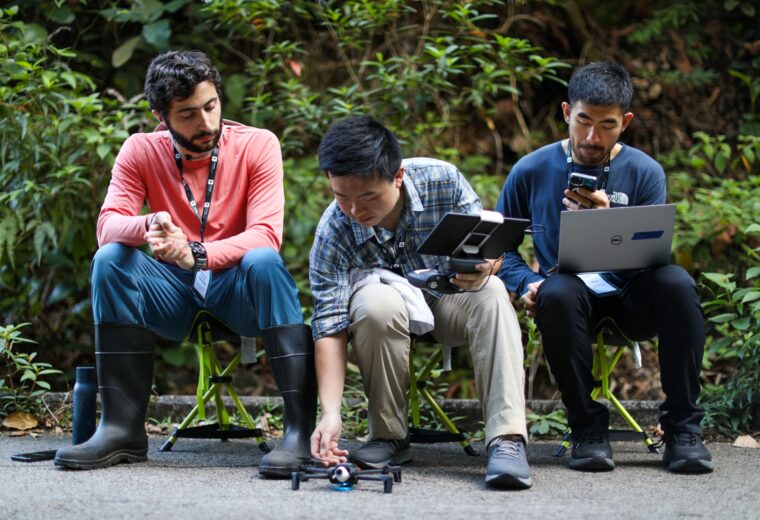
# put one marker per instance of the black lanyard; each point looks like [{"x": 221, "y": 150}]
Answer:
[
  {"x": 601, "y": 183},
  {"x": 209, "y": 187}
]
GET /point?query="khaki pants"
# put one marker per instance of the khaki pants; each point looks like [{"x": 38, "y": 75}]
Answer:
[{"x": 485, "y": 320}]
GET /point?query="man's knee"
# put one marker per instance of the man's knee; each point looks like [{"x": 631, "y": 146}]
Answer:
[
  {"x": 264, "y": 265},
  {"x": 493, "y": 296},
  {"x": 107, "y": 259},
  {"x": 562, "y": 293},
  {"x": 674, "y": 280},
  {"x": 377, "y": 308}
]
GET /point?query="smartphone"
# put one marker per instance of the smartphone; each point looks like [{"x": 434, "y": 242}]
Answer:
[
  {"x": 34, "y": 456},
  {"x": 581, "y": 180}
]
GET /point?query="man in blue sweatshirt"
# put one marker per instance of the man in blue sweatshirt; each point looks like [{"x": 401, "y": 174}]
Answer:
[{"x": 661, "y": 301}]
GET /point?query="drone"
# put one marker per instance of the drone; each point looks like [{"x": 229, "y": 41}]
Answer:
[{"x": 345, "y": 475}]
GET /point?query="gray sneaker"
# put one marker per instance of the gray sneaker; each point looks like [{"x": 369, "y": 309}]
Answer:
[
  {"x": 378, "y": 453},
  {"x": 507, "y": 463}
]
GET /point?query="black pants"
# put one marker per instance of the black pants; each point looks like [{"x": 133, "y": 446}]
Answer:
[{"x": 659, "y": 302}]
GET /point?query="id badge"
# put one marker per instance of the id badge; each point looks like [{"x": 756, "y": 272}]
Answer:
[{"x": 200, "y": 284}]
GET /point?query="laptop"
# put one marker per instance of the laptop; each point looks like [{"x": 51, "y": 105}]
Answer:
[{"x": 615, "y": 239}]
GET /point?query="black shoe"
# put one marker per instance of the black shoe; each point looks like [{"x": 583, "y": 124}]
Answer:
[
  {"x": 378, "y": 453},
  {"x": 685, "y": 453},
  {"x": 507, "y": 464},
  {"x": 592, "y": 452}
]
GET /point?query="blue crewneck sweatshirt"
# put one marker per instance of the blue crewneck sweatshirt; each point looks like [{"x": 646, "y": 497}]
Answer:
[{"x": 534, "y": 191}]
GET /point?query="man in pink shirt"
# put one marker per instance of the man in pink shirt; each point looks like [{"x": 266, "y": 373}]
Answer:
[{"x": 215, "y": 195}]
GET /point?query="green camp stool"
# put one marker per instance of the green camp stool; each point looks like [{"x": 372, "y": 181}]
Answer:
[
  {"x": 419, "y": 382},
  {"x": 609, "y": 337},
  {"x": 212, "y": 378}
]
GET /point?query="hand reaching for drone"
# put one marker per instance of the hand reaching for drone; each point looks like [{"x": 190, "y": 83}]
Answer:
[{"x": 324, "y": 441}]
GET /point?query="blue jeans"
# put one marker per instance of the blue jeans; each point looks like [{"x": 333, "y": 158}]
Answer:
[{"x": 131, "y": 287}]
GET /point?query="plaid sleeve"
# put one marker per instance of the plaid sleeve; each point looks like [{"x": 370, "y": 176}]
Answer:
[
  {"x": 467, "y": 200},
  {"x": 329, "y": 278}
]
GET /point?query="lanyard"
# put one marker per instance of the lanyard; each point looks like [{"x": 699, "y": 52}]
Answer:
[
  {"x": 602, "y": 182},
  {"x": 209, "y": 187}
]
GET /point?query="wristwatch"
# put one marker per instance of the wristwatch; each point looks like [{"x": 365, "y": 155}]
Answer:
[{"x": 199, "y": 255}]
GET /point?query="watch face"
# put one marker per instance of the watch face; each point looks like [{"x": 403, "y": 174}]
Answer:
[{"x": 199, "y": 254}]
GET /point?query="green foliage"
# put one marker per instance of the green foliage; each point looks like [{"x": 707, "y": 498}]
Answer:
[
  {"x": 404, "y": 62},
  {"x": 734, "y": 313},
  {"x": 551, "y": 424},
  {"x": 23, "y": 377},
  {"x": 57, "y": 142},
  {"x": 715, "y": 187}
]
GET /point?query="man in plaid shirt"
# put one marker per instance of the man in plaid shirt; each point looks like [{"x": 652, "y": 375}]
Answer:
[{"x": 384, "y": 207}]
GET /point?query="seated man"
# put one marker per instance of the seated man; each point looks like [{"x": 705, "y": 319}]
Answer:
[
  {"x": 383, "y": 209},
  {"x": 661, "y": 301},
  {"x": 216, "y": 199}
]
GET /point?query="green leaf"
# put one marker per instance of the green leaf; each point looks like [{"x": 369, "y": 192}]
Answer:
[
  {"x": 103, "y": 150},
  {"x": 748, "y": 9},
  {"x": 175, "y": 5},
  {"x": 722, "y": 280},
  {"x": 148, "y": 10},
  {"x": 234, "y": 89},
  {"x": 157, "y": 34},
  {"x": 723, "y": 318},
  {"x": 752, "y": 272},
  {"x": 61, "y": 15},
  {"x": 741, "y": 324},
  {"x": 124, "y": 52},
  {"x": 33, "y": 33},
  {"x": 751, "y": 296}
]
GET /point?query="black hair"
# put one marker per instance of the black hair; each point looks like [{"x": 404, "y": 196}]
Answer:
[
  {"x": 360, "y": 145},
  {"x": 600, "y": 83},
  {"x": 175, "y": 74}
]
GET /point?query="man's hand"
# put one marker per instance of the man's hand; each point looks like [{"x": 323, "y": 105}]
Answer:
[
  {"x": 324, "y": 441},
  {"x": 168, "y": 241},
  {"x": 529, "y": 298},
  {"x": 581, "y": 198},
  {"x": 476, "y": 281}
]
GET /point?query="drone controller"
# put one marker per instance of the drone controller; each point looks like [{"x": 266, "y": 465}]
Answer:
[
  {"x": 437, "y": 281},
  {"x": 466, "y": 240}
]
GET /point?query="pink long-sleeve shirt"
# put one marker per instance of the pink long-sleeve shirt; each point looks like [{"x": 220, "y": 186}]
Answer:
[{"x": 247, "y": 204}]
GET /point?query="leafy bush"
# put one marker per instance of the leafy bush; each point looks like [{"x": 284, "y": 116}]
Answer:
[
  {"x": 715, "y": 187},
  {"x": 23, "y": 377},
  {"x": 734, "y": 312},
  {"x": 57, "y": 142}
]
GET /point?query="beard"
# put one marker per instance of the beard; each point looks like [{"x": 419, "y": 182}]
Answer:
[
  {"x": 188, "y": 142},
  {"x": 590, "y": 154}
]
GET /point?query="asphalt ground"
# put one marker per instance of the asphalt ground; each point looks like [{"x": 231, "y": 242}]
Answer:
[{"x": 211, "y": 479}]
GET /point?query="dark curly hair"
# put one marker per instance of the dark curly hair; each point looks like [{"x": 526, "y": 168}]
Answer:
[{"x": 175, "y": 74}]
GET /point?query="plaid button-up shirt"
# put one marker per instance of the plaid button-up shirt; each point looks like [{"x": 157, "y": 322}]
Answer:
[{"x": 432, "y": 188}]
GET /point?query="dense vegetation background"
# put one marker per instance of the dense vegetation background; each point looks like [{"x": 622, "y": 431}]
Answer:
[{"x": 476, "y": 82}]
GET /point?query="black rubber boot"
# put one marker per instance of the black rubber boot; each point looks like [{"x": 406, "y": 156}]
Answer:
[
  {"x": 291, "y": 355},
  {"x": 124, "y": 358}
]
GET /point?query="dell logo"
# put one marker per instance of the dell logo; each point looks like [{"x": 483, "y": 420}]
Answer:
[{"x": 616, "y": 240}]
